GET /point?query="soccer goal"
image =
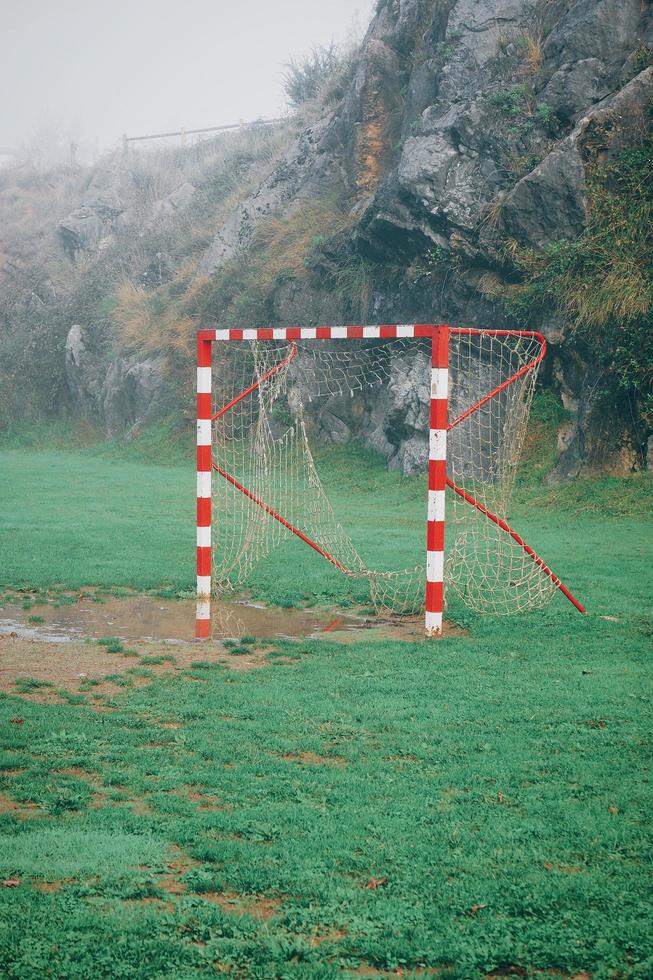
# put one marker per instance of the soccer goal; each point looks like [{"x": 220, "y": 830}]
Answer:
[{"x": 460, "y": 396}]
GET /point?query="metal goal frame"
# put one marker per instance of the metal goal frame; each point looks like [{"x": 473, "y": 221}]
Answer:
[{"x": 439, "y": 425}]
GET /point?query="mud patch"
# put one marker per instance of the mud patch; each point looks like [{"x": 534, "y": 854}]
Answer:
[
  {"x": 142, "y": 618},
  {"x": 146, "y": 618},
  {"x": 21, "y": 811},
  {"x": 206, "y": 802},
  {"x": 564, "y": 868},
  {"x": 179, "y": 865},
  {"x": 50, "y": 887},
  {"x": 259, "y": 907},
  {"x": 89, "y": 669},
  {"x": 367, "y": 970}
]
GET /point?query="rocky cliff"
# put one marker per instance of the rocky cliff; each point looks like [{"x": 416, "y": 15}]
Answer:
[{"x": 481, "y": 162}]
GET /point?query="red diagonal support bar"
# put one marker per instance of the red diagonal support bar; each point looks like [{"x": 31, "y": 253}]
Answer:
[
  {"x": 513, "y": 377},
  {"x": 467, "y": 497},
  {"x": 282, "y": 520},
  {"x": 253, "y": 387}
]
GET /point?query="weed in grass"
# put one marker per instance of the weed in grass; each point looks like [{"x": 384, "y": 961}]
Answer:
[
  {"x": 71, "y": 697},
  {"x": 88, "y": 682},
  {"x": 120, "y": 680},
  {"x": 112, "y": 643},
  {"x": 246, "y": 640},
  {"x": 24, "y": 685},
  {"x": 65, "y": 600}
]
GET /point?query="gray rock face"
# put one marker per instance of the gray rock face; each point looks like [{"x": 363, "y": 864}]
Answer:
[
  {"x": 177, "y": 200},
  {"x": 132, "y": 394},
  {"x": 549, "y": 203},
  {"x": 105, "y": 193},
  {"x": 102, "y": 205},
  {"x": 607, "y": 30},
  {"x": 125, "y": 396},
  {"x": 507, "y": 102},
  {"x": 466, "y": 123},
  {"x": 400, "y": 414},
  {"x": 304, "y": 173},
  {"x": 575, "y": 86}
]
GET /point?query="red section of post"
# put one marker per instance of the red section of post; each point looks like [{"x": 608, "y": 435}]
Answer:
[
  {"x": 434, "y": 603},
  {"x": 204, "y": 408}
]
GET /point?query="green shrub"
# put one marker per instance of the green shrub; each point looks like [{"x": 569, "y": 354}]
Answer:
[
  {"x": 602, "y": 282},
  {"x": 304, "y": 80}
]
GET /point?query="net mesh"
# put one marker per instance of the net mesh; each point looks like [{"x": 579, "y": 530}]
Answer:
[{"x": 311, "y": 392}]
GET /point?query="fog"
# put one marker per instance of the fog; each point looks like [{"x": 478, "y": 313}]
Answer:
[{"x": 91, "y": 70}]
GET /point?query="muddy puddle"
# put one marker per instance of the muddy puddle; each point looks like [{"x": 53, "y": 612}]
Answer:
[{"x": 143, "y": 618}]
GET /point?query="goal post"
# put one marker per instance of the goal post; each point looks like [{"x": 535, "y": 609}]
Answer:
[{"x": 264, "y": 469}]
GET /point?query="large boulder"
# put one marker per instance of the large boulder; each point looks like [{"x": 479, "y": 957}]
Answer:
[
  {"x": 123, "y": 393},
  {"x": 549, "y": 203},
  {"x": 133, "y": 394},
  {"x": 80, "y": 231}
]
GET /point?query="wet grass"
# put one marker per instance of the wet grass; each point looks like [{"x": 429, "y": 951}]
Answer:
[
  {"x": 479, "y": 806},
  {"x": 482, "y": 803},
  {"x": 71, "y": 520}
]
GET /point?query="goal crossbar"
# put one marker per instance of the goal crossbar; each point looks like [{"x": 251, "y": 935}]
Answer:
[{"x": 438, "y": 478}]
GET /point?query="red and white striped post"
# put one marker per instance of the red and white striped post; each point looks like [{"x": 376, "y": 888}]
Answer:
[
  {"x": 204, "y": 461},
  {"x": 437, "y": 481}
]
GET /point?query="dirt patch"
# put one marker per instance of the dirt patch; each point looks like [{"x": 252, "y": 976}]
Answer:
[
  {"x": 259, "y": 907},
  {"x": 170, "y": 882},
  {"x": 22, "y": 811},
  {"x": 48, "y": 887},
  {"x": 407, "y": 629},
  {"x": 82, "y": 668},
  {"x": 328, "y": 936},
  {"x": 138, "y": 618},
  {"x": 56, "y": 656},
  {"x": 206, "y": 802},
  {"x": 88, "y": 777},
  {"x": 564, "y": 869},
  {"x": 313, "y": 759},
  {"x": 137, "y": 805}
]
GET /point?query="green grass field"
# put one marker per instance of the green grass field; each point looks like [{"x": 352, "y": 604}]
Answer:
[{"x": 476, "y": 806}]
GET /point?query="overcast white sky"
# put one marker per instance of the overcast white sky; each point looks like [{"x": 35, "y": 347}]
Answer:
[{"x": 140, "y": 66}]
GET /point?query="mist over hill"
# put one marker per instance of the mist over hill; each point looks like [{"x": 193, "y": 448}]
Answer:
[{"x": 479, "y": 162}]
